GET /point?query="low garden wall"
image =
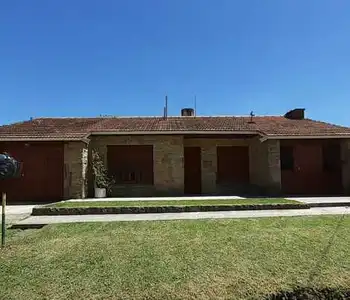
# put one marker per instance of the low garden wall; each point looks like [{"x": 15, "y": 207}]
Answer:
[{"x": 53, "y": 211}]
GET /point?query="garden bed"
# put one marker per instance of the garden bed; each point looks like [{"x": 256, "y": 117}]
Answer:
[{"x": 174, "y": 206}]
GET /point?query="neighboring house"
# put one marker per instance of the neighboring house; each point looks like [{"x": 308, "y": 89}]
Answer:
[{"x": 185, "y": 155}]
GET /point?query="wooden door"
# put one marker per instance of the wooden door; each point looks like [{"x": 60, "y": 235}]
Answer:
[
  {"x": 193, "y": 170},
  {"x": 313, "y": 168},
  {"x": 42, "y": 178},
  {"x": 308, "y": 168}
]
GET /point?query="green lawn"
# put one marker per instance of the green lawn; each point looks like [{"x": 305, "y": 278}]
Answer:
[
  {"x": 176, "y": 202},
  {"x": 206, "y": 259}
]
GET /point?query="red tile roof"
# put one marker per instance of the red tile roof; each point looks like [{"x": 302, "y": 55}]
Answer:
[{"x": 78, "y": 128}]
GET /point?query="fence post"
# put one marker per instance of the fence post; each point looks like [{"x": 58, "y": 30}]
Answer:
[{"x": 3, "y": 220}]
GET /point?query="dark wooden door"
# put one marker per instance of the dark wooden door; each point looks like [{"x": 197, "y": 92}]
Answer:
[
  {"x": 42, "y": 178},
  {"x": 315, "y": 168},
  {"x": 193, "y": 170},
  {"x": 309, "y": 168},
  {"x": 306, "y": 178}
]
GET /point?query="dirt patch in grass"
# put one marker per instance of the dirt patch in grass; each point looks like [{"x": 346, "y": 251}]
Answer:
[{"x": 311, "y": 294}]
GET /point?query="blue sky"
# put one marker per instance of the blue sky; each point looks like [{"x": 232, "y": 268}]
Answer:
[{"x": 86, "y": 58}]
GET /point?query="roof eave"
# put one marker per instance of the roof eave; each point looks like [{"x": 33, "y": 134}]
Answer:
[
  {"x": 301, "y": 137},
  {"x": 42, "y": 139},
  {"x": 174, "y": 132}
]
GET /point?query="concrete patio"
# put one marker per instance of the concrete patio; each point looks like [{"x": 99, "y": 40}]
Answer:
[
  {"x": 313, "y": 200},
  {"x": 15, "y": 213}
]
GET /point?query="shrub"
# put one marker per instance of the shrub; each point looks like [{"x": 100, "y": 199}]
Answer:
[{"x": 101, "y": 178}]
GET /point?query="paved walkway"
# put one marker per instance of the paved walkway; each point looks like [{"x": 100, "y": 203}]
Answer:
[
  {"x": 302, "y": 199},
  {"x": 43, "y": 220},
  {"x": 15, "y": 213},
  {"x": 311, "y": 200}
]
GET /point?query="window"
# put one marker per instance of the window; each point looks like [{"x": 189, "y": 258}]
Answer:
[
  {"x": 287, "y": 158},
  {"x": 131, "y": 164},
  {"x": 331, "y": 158}
]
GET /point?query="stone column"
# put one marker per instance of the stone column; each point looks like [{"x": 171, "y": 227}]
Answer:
[
  {"x": 76, "y": 167},
  {"x": 274, "y": 167},
  {"x": 168, "y": 162},
  {"x": 264, "y": 165},
  {"x": 209, "y": 168}
]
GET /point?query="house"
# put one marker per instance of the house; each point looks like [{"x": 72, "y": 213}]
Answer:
[{"x": 182, "y": 155}]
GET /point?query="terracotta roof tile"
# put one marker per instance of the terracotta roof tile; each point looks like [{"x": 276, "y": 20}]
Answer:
[
  {"x": 66, "y": 128},
  {"x": 174, "y": 124},
  {"x": 78, "y": 128},
  {"x": 306, "y": 127}
]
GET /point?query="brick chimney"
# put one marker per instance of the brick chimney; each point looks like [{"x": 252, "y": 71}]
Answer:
[
  {"x": 187, "y": 112},
  {"x": 296, "y": 114}
]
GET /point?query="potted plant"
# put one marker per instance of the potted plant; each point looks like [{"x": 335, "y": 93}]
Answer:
[{"x": 102, "y": 182}]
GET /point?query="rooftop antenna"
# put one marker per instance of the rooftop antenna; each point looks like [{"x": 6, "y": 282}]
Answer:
[
  {"x": 251, "y": 117},
  {"x": 195, "y": 105},
  {"x": 166, "y": 107}
]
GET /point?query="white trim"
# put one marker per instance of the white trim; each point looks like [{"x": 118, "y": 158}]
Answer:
[
  {"x": 34, "y": 139},
  {"x": 303, "y": 137},
  {"x": 263, "y": 139},
  {"x": 171, "y": 132}
]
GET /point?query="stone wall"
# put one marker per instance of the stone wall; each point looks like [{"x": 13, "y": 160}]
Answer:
[
  {"x": 209, "y": 160},
  {"x": 345, "y": 155},
  {"x": 258, "y": 162},
  {"x": 273, "y": 183},
  {"x": 264, "y": 165},
  {"x": 167, "y": 159},
  {"x": 75, "y": 169}
]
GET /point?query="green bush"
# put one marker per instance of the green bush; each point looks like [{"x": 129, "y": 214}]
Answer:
[{"x": 101, "y": 178}]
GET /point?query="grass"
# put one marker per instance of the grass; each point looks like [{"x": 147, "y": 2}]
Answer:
[
  {"x": 206, "y": 259},
  {"x": 175, "y": 203}
]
